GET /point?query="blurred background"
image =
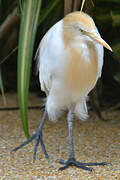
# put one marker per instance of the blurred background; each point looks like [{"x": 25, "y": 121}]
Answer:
[
  {"x": 106, "y": 14},
  {"x": 98, "y": 139}
]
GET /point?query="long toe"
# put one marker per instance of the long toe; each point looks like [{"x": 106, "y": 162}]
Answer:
[
  {"x": 84, "y": 166},
  {"x": 44, "y": 149},
  {"x": 24, "y": 143},
  {"x": 39, "y": 139},
  {"x": 91, "y": 164},
  {"x": 61, "y": 161},
  {"x": 36, "y": 146}
]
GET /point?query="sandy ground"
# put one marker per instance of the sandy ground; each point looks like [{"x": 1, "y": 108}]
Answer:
[{"x": 95, "y": 141}]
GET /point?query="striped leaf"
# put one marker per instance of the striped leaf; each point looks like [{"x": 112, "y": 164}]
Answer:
[{"x": 28, "y": 27}]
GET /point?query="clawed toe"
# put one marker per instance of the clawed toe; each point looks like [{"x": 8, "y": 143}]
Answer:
[
  {"x": 61, "y": 161},
  {"x": 73, "y": 162},
  {"x": 39, "y": 140}
]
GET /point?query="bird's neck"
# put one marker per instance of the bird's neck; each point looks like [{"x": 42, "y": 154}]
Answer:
[{"x": 68, "y": 36}]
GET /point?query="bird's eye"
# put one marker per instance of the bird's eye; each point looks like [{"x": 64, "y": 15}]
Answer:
[{"x": 81, "y": 30}]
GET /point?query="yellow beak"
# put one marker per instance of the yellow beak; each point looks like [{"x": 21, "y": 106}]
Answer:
[{"x": 99, "y": 40}]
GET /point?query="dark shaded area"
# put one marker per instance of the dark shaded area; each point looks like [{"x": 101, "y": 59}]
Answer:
[{"x": 105, "y": 14}]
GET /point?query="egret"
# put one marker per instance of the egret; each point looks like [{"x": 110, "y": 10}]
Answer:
[{"x": 70, "y": 60}]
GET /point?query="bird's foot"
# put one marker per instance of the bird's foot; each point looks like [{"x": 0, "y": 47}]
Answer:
[
  {"x": 39, "y": 139},
  {"x": 73, "y": 162},
  {"x": 24, "y": 143}
]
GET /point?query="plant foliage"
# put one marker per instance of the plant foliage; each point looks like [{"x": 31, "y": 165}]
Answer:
[{"x": 29, "y": 22}]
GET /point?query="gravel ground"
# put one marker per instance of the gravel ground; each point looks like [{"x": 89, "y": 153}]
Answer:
[{"x": 95, "y": 141}]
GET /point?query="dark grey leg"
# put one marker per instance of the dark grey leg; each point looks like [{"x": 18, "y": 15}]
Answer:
[
  {"x": 38, "y": 137},
  {"x": 71, "y": 161},
  {"x": 70, "y": 128}
]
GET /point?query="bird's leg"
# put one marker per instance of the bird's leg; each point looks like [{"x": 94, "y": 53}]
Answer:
[
  {"x": 70, "y": 128},
  {"x": 38, "y": 137},
  {"x": 71, "y": 160}
]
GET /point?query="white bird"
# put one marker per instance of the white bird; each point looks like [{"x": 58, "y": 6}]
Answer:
[{"x": 70, "y": 60}]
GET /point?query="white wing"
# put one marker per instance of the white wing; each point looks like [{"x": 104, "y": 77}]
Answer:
[{"x": 49, "y": 54}]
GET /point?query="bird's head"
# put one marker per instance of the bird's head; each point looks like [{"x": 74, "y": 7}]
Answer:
[{"x": 83, "y": 26}]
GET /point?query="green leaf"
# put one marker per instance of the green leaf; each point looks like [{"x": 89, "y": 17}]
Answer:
[
  {"x": 28, "y": 27},
  {"x": 46, "y": 11},
  {"x": 83, "y": 2},
  {"x": 20, "y": 6},
  {"x": 115, "y": 19},
  {"x": 3, "y": 60},
  {"x": 2, "y": 88},
  {"x": 116, "y": 48},
  {"x": 117, "y": 77}
]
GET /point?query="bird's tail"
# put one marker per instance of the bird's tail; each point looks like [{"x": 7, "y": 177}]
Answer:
[{"x": 81, "y": 110}]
